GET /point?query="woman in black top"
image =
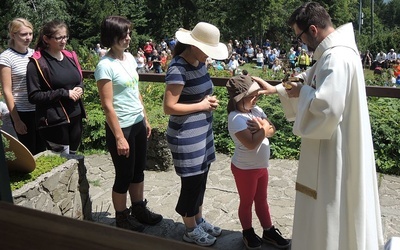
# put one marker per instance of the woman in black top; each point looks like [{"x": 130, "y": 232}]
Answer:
[{"x": 54, "y": 81}]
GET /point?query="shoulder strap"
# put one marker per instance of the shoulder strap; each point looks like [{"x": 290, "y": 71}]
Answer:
[
  {"x": 42, "y": 67},
  {"x": 36, "y": 54}
]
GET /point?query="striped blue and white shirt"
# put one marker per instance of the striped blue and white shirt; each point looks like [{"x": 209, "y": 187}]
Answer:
[
  {"x": 190, "y": 137},
  {"x": 17, "y": 62}
]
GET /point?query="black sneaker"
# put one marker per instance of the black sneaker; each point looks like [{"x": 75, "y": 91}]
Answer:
[
  {"x": 251, "y": 239},
  {"x": 140, "y": 211},
  {"x": 274, "y": 236},
  {"x": 126, "y": 221}
]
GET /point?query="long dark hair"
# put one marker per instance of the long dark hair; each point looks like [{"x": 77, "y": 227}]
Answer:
[{"x": 49, "y": 29}]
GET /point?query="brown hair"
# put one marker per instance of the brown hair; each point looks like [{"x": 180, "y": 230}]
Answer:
[
  {"x": 15, "y": 25},
  {"x": 179, "y": 48},
  {"x": 49, "y": 29},
  {"x": 310, "y": 13},
  {"x": 113, "y": 29}
]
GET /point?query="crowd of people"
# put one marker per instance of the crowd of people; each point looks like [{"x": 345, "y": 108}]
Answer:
[
  {"x": 268, "y": 56},
  {"x": 155, "y": 57},
  {"x": 389, "y": 62},
  {"x": 151, "y": 57},
  {"x": 382, "y": 59},
  {"x": 337, "y": 203}
]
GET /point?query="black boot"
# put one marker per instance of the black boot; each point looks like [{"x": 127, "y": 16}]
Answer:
[
  {"x": 126, "y": 221},
  {"x": 274, "y": 236},
  {"x": 140, "y": 211},
  {"x": 251, "y": 239}
]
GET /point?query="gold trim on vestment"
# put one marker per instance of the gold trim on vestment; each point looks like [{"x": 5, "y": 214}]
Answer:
[{"x": 306, "y": 190}]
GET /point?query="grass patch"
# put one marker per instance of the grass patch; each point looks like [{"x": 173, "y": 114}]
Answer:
[
  {"x": 44, "y": 164},
  {"x": 95, "y": 183}
]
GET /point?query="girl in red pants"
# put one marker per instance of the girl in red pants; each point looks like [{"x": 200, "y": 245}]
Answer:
[{"x": 249, "y": 128}]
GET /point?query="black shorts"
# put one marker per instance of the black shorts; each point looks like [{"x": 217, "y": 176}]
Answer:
[
  {"x": 192, "y": 194},
  {"x": 128, "y": 170}
]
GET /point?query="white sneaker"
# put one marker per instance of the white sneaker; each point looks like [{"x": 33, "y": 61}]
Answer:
[
  {"x": 210, "y": 229},
  {"x": 199, "y": 237}
]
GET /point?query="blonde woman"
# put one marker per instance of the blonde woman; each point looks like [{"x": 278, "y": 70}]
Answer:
[{"x": 13, "y": 62}]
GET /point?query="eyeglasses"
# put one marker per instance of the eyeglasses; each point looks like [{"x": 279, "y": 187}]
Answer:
[
  {"x": 299, "y": 36},
  {"x": 60, "y": 38}
]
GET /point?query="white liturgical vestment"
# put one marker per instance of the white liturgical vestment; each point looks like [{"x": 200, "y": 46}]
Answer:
[{"x": 337, "y": 202}]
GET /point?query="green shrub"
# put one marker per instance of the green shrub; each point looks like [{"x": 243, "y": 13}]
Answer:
[
  {"x": 385, "y": 123},
  {"x": 284, "y": 144},
  {"x": 9, "y": 155},
  {"x": 94, "y": 133},
  {"x": 88, "y": 59},
  {"x": 153, "y": 94},
  {"x": 222, "y": 140}
]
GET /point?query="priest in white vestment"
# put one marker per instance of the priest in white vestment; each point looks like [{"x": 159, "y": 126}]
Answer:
[{"x": 337, "y": 203}]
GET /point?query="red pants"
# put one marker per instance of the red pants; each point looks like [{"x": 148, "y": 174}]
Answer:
[{"x": 252, "y": 186}]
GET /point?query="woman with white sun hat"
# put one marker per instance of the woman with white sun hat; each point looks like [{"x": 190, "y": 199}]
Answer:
[{"x": 189, "y": 101}]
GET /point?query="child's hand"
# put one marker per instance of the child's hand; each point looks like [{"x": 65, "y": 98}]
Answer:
[
  {"x": 254, "y": 125},
  {"x": 258, "y": 123}
]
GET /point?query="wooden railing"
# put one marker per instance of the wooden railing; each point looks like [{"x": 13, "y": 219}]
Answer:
[{"x": 221, "y": 81}]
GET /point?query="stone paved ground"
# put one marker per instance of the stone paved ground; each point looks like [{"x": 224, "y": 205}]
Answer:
[{"x": 221, "y": 201}]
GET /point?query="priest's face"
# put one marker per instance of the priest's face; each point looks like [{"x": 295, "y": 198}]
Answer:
[{"x": 306, "y": 36}]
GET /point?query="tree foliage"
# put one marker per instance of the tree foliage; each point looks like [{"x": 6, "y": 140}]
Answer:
[{"x": 36, "y": 11}]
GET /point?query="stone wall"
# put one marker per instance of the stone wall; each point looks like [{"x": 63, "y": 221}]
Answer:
[
  {"x": 65, "y": 189},
  {"x": 159, "y": 157},
  {"x": 62, "y": 191}
]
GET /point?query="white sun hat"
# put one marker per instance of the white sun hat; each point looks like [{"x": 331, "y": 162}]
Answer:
[{"x": 204, "y": 36}]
